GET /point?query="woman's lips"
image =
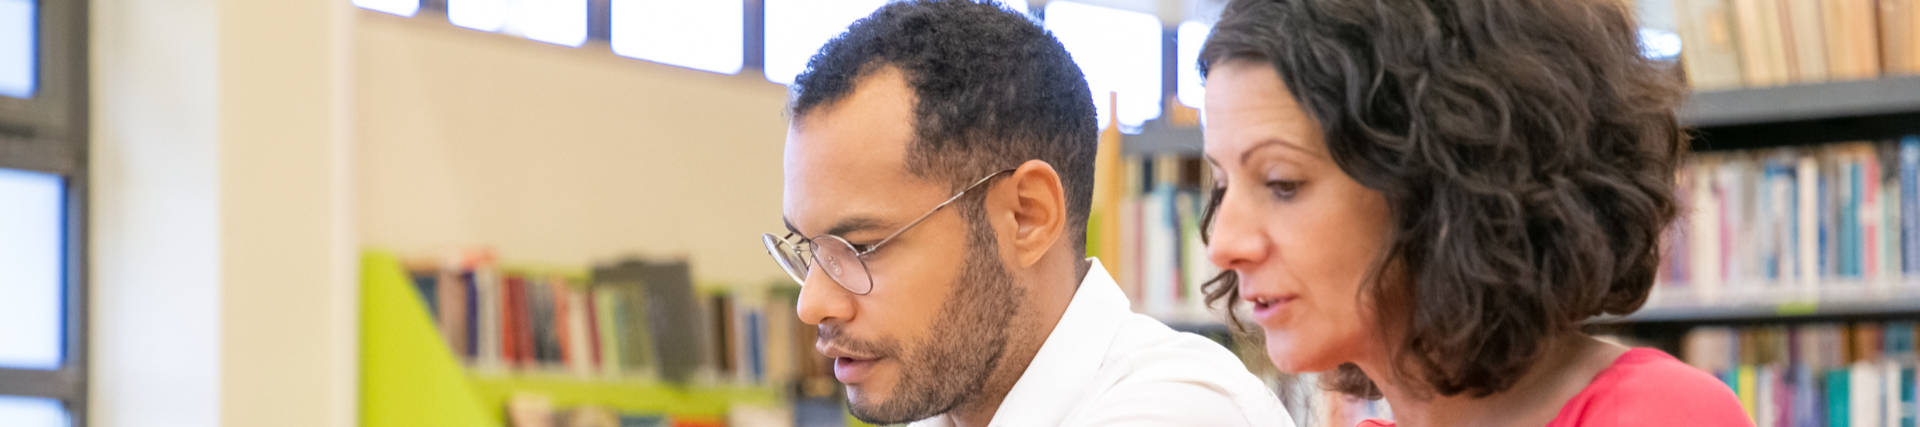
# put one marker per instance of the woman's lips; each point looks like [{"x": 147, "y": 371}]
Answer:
[
  {"x": 1267, "y": 308},
  {"x": 852, "y": 371}
]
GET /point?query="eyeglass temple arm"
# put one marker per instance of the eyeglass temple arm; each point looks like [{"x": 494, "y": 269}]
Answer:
[{"x": 929, "y": 214}]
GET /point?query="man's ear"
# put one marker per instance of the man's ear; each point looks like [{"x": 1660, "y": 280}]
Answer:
[{"x": 1036, "y": 204}]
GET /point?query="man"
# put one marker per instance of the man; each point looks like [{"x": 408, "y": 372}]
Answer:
[{"x": 939, "y": 170}]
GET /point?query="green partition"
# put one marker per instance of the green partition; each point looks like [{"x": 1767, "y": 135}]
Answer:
[{"x": 407, "y": 376}]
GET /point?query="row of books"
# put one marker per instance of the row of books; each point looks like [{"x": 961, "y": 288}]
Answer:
[
  {"x": 1158, "y": 257},
  {"x": 1798, "y": 218},
  {"x": 1828, "y": 374},
  {"x": 1758, "y": 43},
  {"x": 631, "y": 320}
]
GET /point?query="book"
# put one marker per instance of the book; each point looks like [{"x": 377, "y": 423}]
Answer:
[
  {"x": 1852, "y": 39},
  {"x": 1711, "y": 55},
  {"x": 1762, "y": 42},
  {"x": 1900, "y": 43},
  {"x": 1805, "y": 38},
  {"x": 578, "y": 337},
  {"x": 608, "y": 318},
  {"x": 1794, "y": 220}
]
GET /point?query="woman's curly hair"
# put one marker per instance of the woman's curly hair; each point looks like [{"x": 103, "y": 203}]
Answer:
[{"x": 1526, "y": 151}]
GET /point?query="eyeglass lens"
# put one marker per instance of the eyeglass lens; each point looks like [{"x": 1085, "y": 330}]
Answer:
[{"x": 834, "y": 255}]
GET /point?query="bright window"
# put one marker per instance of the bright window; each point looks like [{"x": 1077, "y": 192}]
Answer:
[
  {"x": 31, "y": 264},
  {"x": 796, "y": 29},
  {"x": 1659, "y": 44},
  {"x": 1119, "y": 52},
  {"x": 33, "y": 412},
  {"x": 1188, "y": 40},
  {"x": 17, "y": 54},
  {"x": 702, "y": 35},
  {"x": 483, "y": 15},
  {"x": 397, "y": 7},
  {"x": 1016, "y": 5},
  {"x": 561, "y": 22}
]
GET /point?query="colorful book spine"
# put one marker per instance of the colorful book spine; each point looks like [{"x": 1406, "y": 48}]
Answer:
[{"x": 1910, "y": 204}]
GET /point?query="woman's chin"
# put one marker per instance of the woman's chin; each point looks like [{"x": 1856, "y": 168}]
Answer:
[{"x": 1293, "y": 357}]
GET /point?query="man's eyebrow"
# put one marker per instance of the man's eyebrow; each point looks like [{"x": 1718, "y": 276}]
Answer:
[
  {"x": 855, "y": 223},
  {"x": 845, "y": 226}
]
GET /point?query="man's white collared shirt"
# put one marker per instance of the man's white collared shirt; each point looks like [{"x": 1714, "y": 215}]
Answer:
[{"x": 1104, "y": 365}]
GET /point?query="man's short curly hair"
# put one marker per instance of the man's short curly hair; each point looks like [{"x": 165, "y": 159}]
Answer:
[
  {"x": 992, "y": 90},
  {"x": 1526, "y": 151}
]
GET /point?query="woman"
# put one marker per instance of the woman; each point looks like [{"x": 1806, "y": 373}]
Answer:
[{"x": 1430, "y": 197}]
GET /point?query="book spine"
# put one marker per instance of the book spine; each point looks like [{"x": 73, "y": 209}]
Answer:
[
  {"x": 609, "y": 312},
  {"x": 470, "y": 326},
  {"x": 1870, "y": 212},
  {"x": 1839, "y": 409},
  {"x": 595, "y": 345},
  {"x": 1807, "y": 173},
  {"x": 1910, "y": 204}
]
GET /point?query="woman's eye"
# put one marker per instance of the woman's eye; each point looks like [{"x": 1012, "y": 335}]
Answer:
[{"x": 1283, "y": 189}]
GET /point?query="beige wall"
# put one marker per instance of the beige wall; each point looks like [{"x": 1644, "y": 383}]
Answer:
[{"x": 560, "y": 155}]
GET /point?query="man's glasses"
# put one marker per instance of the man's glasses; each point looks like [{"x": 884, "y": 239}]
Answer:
[{"x": 838, "y": 257}]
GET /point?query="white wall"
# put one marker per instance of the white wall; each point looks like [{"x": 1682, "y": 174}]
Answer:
[
  {"x": 155, "y": 215},
  {"x": 559, "y": 155},
  {"x": 223, "y": 253}
]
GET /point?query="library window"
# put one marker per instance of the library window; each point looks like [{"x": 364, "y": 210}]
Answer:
[
  {"x": 483, "y": 15},
  {"x": 1187, "y": 42},
  {"x": 1120, "y": 53},
  {"x": 704, "y": 36},
  {"x": 795, "y": 29},
  {"x": 42, "y": 193},
  {"x": 397, "y": 7},
  {"x": 31, "y": 209},
  {"x": 17, "y": 51},
  {"x": 561, "y": 22},
  {"x": 33, "y": 412},
  {"x": 1659, "y": 44}
]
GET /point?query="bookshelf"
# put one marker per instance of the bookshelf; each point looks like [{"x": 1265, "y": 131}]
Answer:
[
  {"x": 1803, "y": 114},
  {"x": 1804, "y": 102},
  {"x": 1732, "y": 119},
  {"x": 1826, "y": 301},
  {"x": 409, "y": 377}
]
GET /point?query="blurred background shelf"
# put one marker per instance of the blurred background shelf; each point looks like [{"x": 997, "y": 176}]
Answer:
[
  {"x": 1831, "y": 301},
  {"x": 411, "y": 379},
  {"x": 1803, "y": 113}
]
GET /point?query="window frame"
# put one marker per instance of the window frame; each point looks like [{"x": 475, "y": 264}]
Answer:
[{"x": 48, "y": 133}]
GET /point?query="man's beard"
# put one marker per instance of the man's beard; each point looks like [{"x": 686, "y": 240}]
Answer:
[{"x": 952, "y": 364}]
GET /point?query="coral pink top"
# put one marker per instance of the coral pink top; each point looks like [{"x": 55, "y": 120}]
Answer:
[{"x": 1646, "y": 387}]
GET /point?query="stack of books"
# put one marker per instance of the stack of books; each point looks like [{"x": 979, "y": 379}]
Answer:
[
  {"x": 1796, "y": 223},
  {"x": 1826, "y": 374},
  {"x": 1160, "y": 260},
  {"x": 1758, "y": 43},
  {"x": 630, "y": 320}
]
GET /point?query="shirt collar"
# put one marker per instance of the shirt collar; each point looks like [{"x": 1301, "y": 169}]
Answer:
[{"x": 1065, "y": 367}]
